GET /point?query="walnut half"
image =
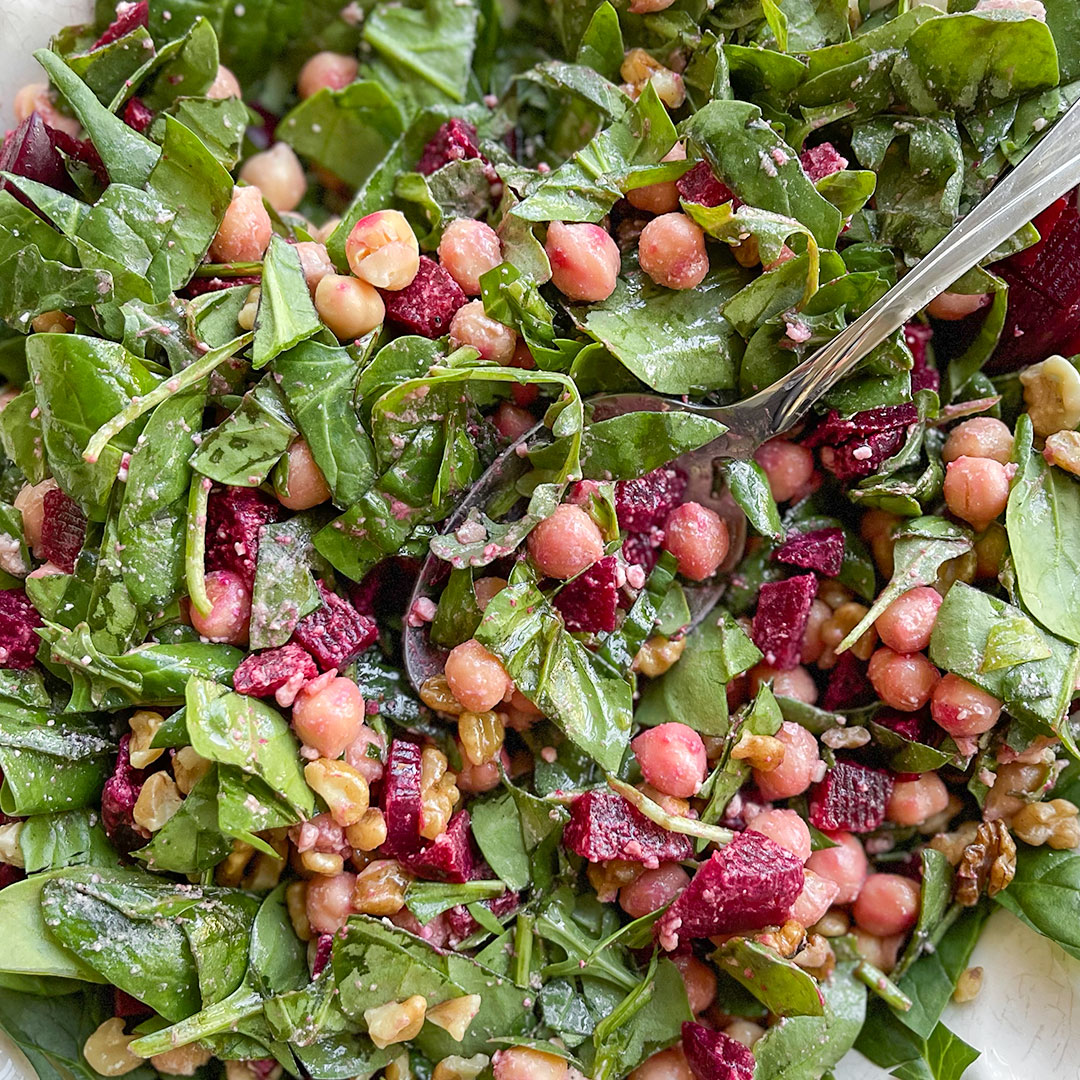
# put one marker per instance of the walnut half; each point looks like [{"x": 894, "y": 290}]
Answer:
[{"x": 987, "y": 865}]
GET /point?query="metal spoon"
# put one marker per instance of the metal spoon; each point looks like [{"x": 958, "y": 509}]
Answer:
[{"x": 1047, "y": 173}]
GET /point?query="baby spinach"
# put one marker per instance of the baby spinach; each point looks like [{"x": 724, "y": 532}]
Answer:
[
  {"x": 1043, "y": 514},
  {"x": 285, "y": 590},
  {"x": 1044, "y": 891},
  {"x": 218, "y": 123},
  {"x": 64, "y": 838},
  {"x": 942, "y": 1055},
  {"x": 286, "y": 315},
  {"x": 779, "y": 984},
  {"x": 749, "y": 487},
  {"x": 429, "y": 899}
]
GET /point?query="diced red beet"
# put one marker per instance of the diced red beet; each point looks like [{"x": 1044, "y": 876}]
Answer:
[
  {"x": 1045, "y": 223},
  {"x": 118, "y": 801},
  {"x": 835, "y": 430},
  {"x": 128, "y": 17},
  {"x": 591, "y": 601},
  {"x": 427, "y": 305},
  {"x": 138, "y": 116},
  {"x": 386, "y": 588},
  {"x": 63, "y": 529},
  {"x": 923, "y": 377},
  {"x": 910, "y": 725},
  {"x": 821, "y": 161},
  {"x": 852, "y": 797},
  {"x": 456, "y": 140},
  {"x": 643, "y": 549},
  {"x": 603, "y": 826},
  {"x": 449, "y": 857},
  {"x": 821, "y": 550},
  {"x": 861, "y": 457},
  {"x": 323, "y": 948},
  {"x": 127, "y": 1007},
  {"x": 750, "y": 883},
  {"x": 701, "y": 186},
  {"x": 644, "y": 503},
  {"x": 82, "y": 151},
  {"x": 234, "y": 517},
  {"x": 712, "y": 1055},
  {"x": 848, "y": 686},
  {"x": 336, "y": 633},
  {"x": 401, "y": 798},
  {"x": 780, "y": 620},
  {"x": 29, "y": 151},
  {"x": 262, "y": 674},
  {"x": 18, "y": 621},
  {"x": 10, "y": 874},
  {"x": 197, "y": 286},
  {"x": 463, "y": 925}
]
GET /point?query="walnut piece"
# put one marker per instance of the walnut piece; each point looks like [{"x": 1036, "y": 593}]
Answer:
[
  {"x": 1063, "y": 449},
  {"x": 987, "y": 865},
  {"x": 1054, "y": 823}
]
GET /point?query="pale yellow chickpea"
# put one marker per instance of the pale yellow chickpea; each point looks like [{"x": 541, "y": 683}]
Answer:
[
  {"x": 323, "y": 233},
  {"x": 37, "y": 97},
  {"x": 349, "y": 307},
  {"x": 383, "y": 251},
  {"x": 225, "y": 84},
  {"x": 278, "y": 174},
  {"x": 491, "y": 339},
  {"x": 245, "y": 230},
  {"x": 305, "y": 485},
  {"x": 326, "y": 71}
]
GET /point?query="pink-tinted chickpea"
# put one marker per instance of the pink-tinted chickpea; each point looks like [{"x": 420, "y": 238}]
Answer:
[
  {"x": 906, "y": 624},
  {"x": 882, "y": 952},
  {"x": 795, "y": 683},
  {"x": 326, "y": 71},
  {"x": 786, "y": 828},
  {"x": 30, "y": 502},
  {"x": 887, "y": 904},
  {"x": 245, "y": 230},
  {"x": 365, "y": 754},
  {"x": 476, "y": 677},
  {"x": 383, "y": 250},
  {"x": 315, "y": 262},
  {"x": 950, "y": 306},
  {"x": 659, "y": 198},
  {"x": 653, "y": 889},
  {"x": 477, "y": 779},
  {"x": 485, "y": 589},
  {"x": 350, "y": 307},
  {"x": 976, "y": 490},
  {"x": 512, "y": 422},
  {"x": 524, "y": 1063},
  {"x": 698, "y": 538},
  {"x": 584, "y": 260},
  {"x": 671, "y": 250},
  {"x": 328, "y": 715},
  {"x": 903, "y": 681},
  {"x": 979, "y": 437},
  {"x": 278, "y": 174},
  {"x": 230, "y": 612},
  {"x": 845, "y": 865},
  {"x": 962, "y": 709},
  {"x": 672, "y": 758},
  {"x": 797, "y": 770},
  {"x": 914, "y": 801},
  {"x": 788, "y": 466},
  {"x": 699, "y": 980},
  {"x": 305, "y": 484},
  {"x": 37, "y": 97},
  {"x": 812, "y": 645},
  {"x": 467, "y": 250},
  {"x": 329, "y": 902},
  {"x": 491, "y": 339},
  {"x": 817, "y": 896},
  {"x": 7, "y": 396},
  {"x": 225, "y": 85},
  {"x": 565, "y": 543},
  {"x": 667, "y": 1064}
]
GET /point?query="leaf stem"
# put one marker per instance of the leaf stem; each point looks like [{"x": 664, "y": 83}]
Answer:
[
  {"x": 882, "y": 985},
  {"x": 654, "y": 812},
  {"x": 195, "y": 544},
  {"x": 523, "y": 950}
]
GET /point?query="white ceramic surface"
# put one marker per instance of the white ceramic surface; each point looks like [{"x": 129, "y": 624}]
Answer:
[{"x": 1023, "y": 1021}]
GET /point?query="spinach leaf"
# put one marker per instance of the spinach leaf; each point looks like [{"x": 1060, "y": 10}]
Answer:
[
  {"x": 510, "y": 829},
  {"x": 779, "y": 984},
  {"x": 429, "y": 899},
  {"x": 21, "y": 434},
  {"x": 601, "y": 48},
  {"x": 284, "y": 590},
  {"x": 458, "y": 613},
  {"x": 940, "y": 1056},
  {"x": 1043, "y": 514},
  {"x": 218, "y": 123},
  {"x": 285, "y": 316},
  {"x": 66, "y": 838},
  {"x": 749, "y": 487}
]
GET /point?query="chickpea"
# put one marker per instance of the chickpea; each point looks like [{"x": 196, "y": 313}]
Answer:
[
  {"x": 663, "y": 197},
  {"x": 469, "y": 249},
  {"x": 1012, "y": 783},
  {"x": 584, "y": 260},
  {"x": 903, "y": 681},
  {"x": 876, "y": 529},
  {"x": 907, "y": 623},
  {"x": 278, "y": 174},
  {"x": 950, "y": 306},
  {"x": 524, "y": 1063},
  {"x": 326, "y": 71},
  {"x": 812, "y": 644},
  {"x": 667, "y": 1064},
  {"x": 304, "y": 486},
  {"x": 329, "y": 902},
  {"x": 976, "y": 489},
  {"x": 328, "y": 714},
  {"x": 788, "y": 466},
  {"x": 787, "y": 829},
  {"x": 979, "y": 437},
  {"x": 962, "y": 709},
  {"x": 797, "y": 769},
  {"x": 37, "y": 97},
  {"x": 699, "y": 980},
  {"x": 566, "y": 542},
  {"x": 230, "y": 612},
  {"x": 914, "y": 801},
  {"x": 671, "y": 250},
  {"x": 225, "y": 84},
  {"x": 512, "y": 422},
  {"x": 672, "y": 759},
  {"x": 476, "y": 677},
  {"x": 990, "y": 549},
  {"x": 846, "y": 865},
  {"x": 315, "y": 262},
  {"x": 491, "y": 339},
  {"x": 796, "y": 683},
  {"x": 383, "y": 251},
  {"x": 698, "y": 538},
  {"x": 813, "y": 902},
  {"x": 30, "y": 502},
  {"x": 349, "y": 306},
  {"x": 887, "y": 904},
  {"x": 245, "y": 230},
  {"x": 653, "y": 889}
]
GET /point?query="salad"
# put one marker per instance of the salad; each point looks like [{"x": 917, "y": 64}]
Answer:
[{"x": 701, "y": 779}]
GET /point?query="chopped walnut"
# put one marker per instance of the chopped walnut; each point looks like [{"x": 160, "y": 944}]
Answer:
[
  {"x": 607, "y": 878},
  {"x": 952, "y": 844},
  {"x": 817, "y": 957},
  {"x": 761, "y": 752},
  {"x": 1063, "y": 450},
  {"x": 988, "y": 863},
  {"x": 845, "y": 738},
  {"x": 787, "y": 940},
  {"x": 968, "y": 985},
  {"x": 1052, "y": 395},
  {"x": 1054, "y": 823}
]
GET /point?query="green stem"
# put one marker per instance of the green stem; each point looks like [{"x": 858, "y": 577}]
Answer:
[
  {"x": 212, "y": 1020},
  {"x": 671, "y": 822},
  {"x": 195, "y": 544},
  {"x": 523, "y": 950},
  {"x": 138, "y": 406},
  {"x": 229, "y": 270},
  {"x": 882, "y": 985}
]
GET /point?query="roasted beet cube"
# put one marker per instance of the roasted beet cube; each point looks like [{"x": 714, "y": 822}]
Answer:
[
  {"x": 234, "y": 518},
  {"x": 263, "y": 674},
  {"x": 644, "y": 503},
  {"x": 323, "y": 948},
  {"x": 909, "y": 725},
  {"x": 750, "y": 883},
  {"x": 712, "y": 1055},
  {"x": 336, "y": 633},
  {"x": 861, "y": 457},
  {"x": 821, "y": 550},
  {"x": 138, "y": 116},
  {"x": 449, "y": 857},
  {"x": 835, "y": 430},
  {"x": 401, "y": 802},
  {"x": 427, "y": 305},
  {"x": 851, "y": 797},
  {"x": 923, "y": 377},
  {"x": 385, "y": 590},
  {"x": 118, "y": 802},
  {"x": 456, "y": 140},
  {"x": 63, "y": 529},
  {"x": 821, "y": 161},
  {"x": 463, "y": 925},
  {"x": 848, "y": 686},
  {"x": 10, "y": 874},
  {"x": 128, "y": 1007},
  {"x": 591, "y": 601},
  {"x": 643, "y": 549},
  {"x": 18, "y": 621},
  {"x": 29, "y": 150},
  {"x": 1045, "y": 224},
  {"x": 129, "y": 16},
  {"x": 603, "y": 825},
  {"x": 81, "y": 151},
  {"x": 780, "y": 620},
  {"x": 701, "y": 186}
]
